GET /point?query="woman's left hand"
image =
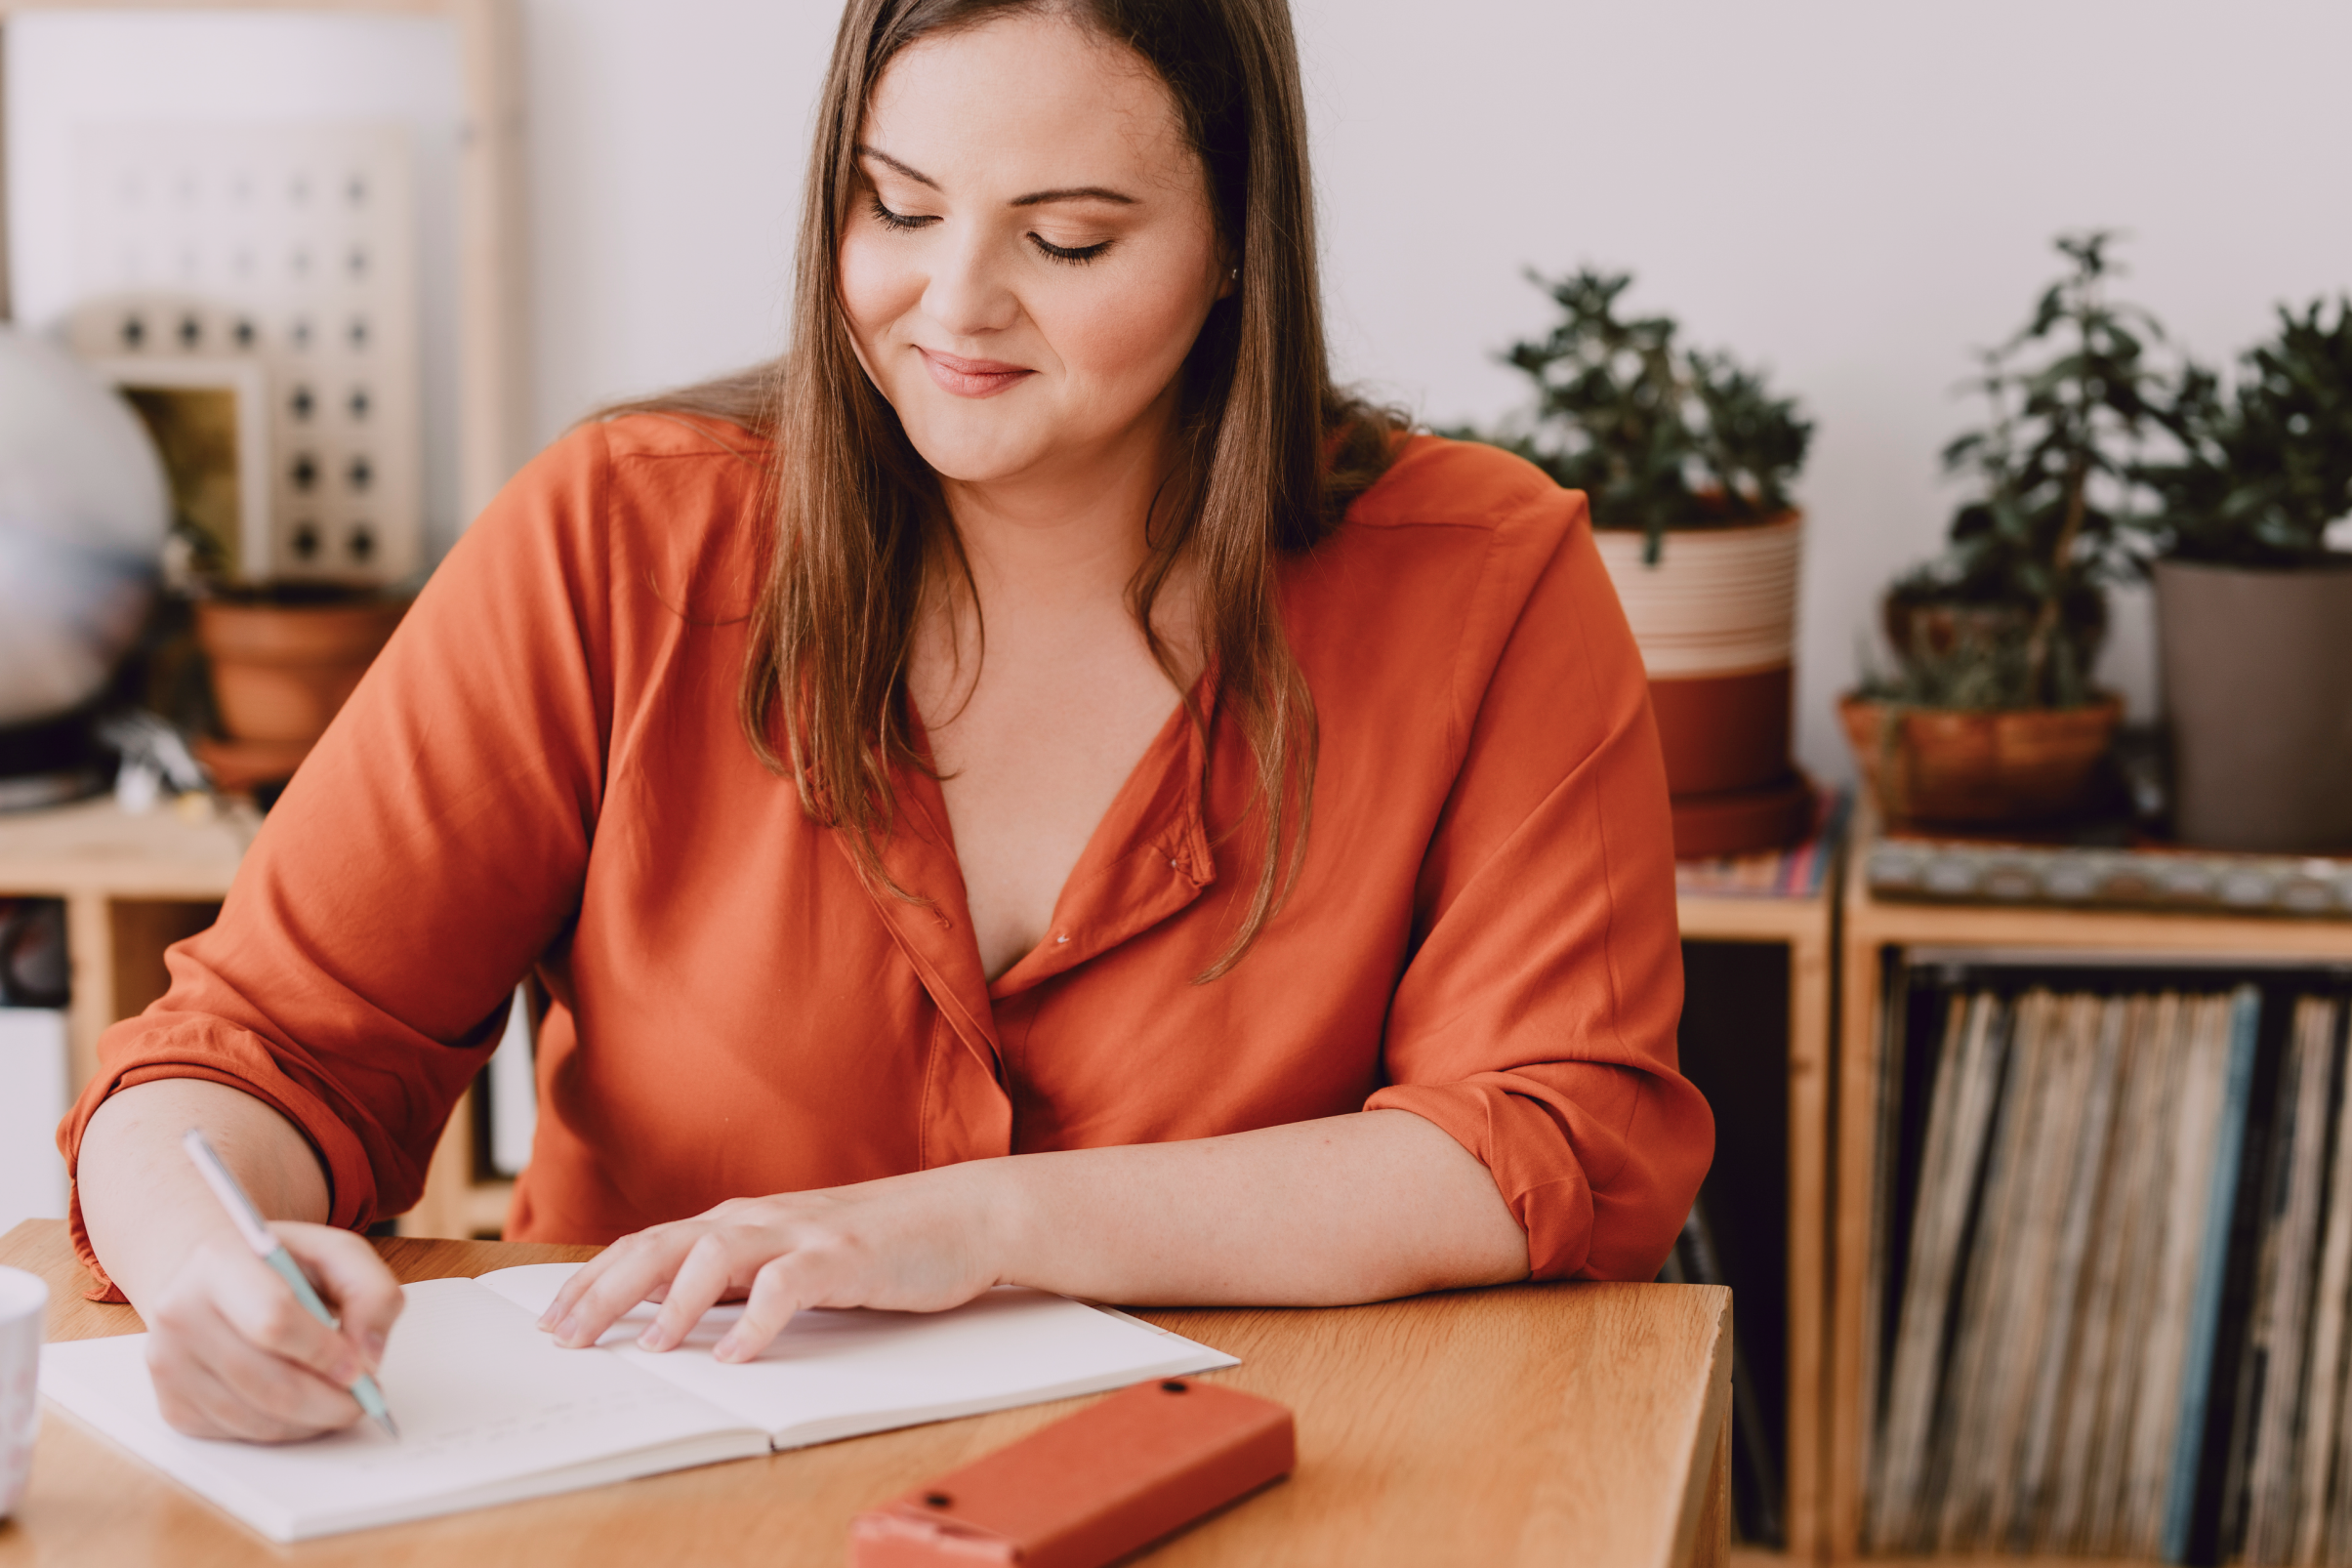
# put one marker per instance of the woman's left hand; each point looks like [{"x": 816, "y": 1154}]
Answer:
[{"x": 916, "y": 1243}]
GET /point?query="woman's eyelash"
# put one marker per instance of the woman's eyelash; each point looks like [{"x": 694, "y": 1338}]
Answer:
[
  {"x": 1076, "y": 256},
  {"x": 896, "y": 220}
]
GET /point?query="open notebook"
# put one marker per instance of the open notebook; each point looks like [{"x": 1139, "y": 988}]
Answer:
[{"x": 490, "y": 1410}]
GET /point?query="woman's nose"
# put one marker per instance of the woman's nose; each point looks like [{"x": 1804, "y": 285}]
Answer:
[{"x": 969, "y": 293}]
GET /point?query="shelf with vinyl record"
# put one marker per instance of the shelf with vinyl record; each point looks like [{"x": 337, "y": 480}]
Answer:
[{"x": 2092, "y": 1229}]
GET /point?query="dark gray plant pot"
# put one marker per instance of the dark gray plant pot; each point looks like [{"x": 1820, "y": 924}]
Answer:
[{"x": 2257, "y": 681}]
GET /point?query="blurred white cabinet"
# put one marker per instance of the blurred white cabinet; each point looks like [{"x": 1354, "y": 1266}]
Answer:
[{"x": 32, "y": 1099}]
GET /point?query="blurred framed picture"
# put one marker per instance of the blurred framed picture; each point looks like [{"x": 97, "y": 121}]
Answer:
[{"x": 210, "y": 419}]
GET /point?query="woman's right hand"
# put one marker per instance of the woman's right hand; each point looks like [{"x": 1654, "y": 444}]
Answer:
[{"x": 234, "y": 1354}]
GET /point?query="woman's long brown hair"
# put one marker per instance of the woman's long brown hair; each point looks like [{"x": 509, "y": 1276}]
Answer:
[{"x": 1271, "y": 452}]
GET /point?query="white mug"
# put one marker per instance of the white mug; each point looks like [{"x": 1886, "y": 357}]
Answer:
[{"x": 24, "y": 1309}]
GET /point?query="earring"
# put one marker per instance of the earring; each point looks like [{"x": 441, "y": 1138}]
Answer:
[{"x": 1236, "y": 274}]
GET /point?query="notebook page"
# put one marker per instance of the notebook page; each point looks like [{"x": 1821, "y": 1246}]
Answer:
[
  {"x": 836, "y": 1374},
  {"x": 488, "y": 1409}
]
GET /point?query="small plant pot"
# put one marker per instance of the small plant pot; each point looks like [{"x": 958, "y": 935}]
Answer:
[
  {"x": 1715, "y": 620},
  {"x": 1983, "y": 769},
  {"x": 2257, "y": 681},
  {"x": 281, "y": 670}
]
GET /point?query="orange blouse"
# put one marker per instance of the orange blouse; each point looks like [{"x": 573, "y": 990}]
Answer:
[{"x": 545, "y": 769}]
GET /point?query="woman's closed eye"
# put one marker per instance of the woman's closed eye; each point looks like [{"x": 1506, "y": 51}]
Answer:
[
  {"x": 897, "y": 219},
  {"x": 905, "y": 222},
  {"x": 1074, "y": 254}
]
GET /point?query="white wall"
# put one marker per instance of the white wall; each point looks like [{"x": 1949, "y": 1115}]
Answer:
[
  {"x": 1855, "y": 193},
  {"x": 66, "y": 69}
]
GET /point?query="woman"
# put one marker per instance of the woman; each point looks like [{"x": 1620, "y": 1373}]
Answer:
[{"x": 1043, "y": 791}]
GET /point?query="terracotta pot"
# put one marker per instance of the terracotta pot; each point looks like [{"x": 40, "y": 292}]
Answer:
[
  {"x": 281, "y": 671},
  {"x": 2257, "y": 681},
  {"x": 1722, "y": 734},
  {"x": 1715, "y": 620},
  {"x": 2029, "y": 765}
]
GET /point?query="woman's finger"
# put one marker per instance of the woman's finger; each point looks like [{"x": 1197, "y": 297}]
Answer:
[
  {"x": 264, "y": 1311},
  {"x": 567, "y": 1296},
  {"x": 280, "y": 1402},
  {"x": 584, "y": 1278},
  {"x": 637, "y": 1263},
  {"x": 242, "y": 1389},
  {"x": 194, "y": 1400},
  {"x": 782, "y": 1287},
  {"x": 354, "y": 1279},
  {"x": 703, "y": 1276},
  {"x": 191, "y": 1397}
]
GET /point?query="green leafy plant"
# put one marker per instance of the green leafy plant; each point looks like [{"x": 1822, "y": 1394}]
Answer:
[
  {"x": 1963, "y": 675},
  {"x": 2265, "y": 467},
  {"x": 2018, "y": 597},
  {"x": 1658, "y": 436}
]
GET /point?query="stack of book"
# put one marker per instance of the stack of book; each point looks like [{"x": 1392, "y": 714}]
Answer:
[
  {"x": 1796, "y": 871},
  {"x": 2115, "y": 1267}
]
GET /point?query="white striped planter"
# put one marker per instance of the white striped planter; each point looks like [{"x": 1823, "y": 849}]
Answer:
[
  {"x": 1720, "y": 601},
  {"x": 1716, "y": 621}
]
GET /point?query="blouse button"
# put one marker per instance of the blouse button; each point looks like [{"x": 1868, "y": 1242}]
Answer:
[{"x": 1063, "y": 937}]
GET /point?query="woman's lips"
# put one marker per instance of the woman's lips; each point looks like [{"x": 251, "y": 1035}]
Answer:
[{"x": 971, "y": 378}]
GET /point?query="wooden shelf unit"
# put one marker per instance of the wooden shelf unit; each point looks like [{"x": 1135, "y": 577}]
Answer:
[
  {"x": 1807, "y": 927},
  {"x": 133, "y": 886},
  {"x": 1871, "y": 928}
]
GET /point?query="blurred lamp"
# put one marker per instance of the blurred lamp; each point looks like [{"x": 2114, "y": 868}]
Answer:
[{"x": 84, "y": 511}]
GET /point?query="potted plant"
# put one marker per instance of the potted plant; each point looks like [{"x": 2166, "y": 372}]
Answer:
[
  {"x": 1665, "y": 439},
  {"x": 1990, "y": 715},
  {"x": 2253, "y": 609}
]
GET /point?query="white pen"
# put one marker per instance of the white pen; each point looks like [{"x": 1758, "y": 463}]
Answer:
[{"x": 265, "y": 1243}]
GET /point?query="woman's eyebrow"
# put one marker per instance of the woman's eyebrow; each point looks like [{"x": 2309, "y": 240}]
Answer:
[
  {"x": 1074, "y": 193},
  {"x": 879, "y": 157},
  {"x": 1036, "y": 198}
]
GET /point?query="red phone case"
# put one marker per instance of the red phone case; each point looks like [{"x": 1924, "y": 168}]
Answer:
[{"x": 1092, "y": 1487}]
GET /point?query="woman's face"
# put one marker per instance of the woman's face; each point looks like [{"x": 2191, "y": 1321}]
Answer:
[{"x": 1031, "y": 254}]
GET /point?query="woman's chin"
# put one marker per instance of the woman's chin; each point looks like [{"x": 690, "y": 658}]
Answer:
[{"x": 967, "y": 456}]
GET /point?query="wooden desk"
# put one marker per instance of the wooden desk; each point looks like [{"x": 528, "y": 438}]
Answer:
[{"x": 1533, "y": 1423}]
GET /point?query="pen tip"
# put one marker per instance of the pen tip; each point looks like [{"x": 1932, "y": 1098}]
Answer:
[{"x": 386, "y": 1420}]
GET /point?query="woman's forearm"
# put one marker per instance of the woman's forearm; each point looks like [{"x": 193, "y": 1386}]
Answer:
[
  {"x": 1349, "y": 1209},
  {"x": 143, "y": 1204},
  {"x": 1355, "y": 1207}
]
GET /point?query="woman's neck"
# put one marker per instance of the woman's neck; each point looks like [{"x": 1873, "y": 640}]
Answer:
[
  {"x": 1062, "y": 546},
  {"x": 1068, "y": 534}
]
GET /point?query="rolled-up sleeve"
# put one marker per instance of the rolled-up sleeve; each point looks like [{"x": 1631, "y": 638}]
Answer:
[
  {"x": 1535, "y": 1020},
  {"x": 429, "y": 849}
]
